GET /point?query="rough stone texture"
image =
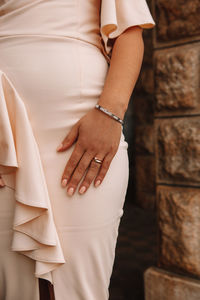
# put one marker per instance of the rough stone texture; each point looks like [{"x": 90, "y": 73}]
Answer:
[
  {"x": 144, "y": 139},
  {"x": 162, "y": 285},
  {"x": 177, "y": 80},
  {"x": 178, "y": 150},
  {"x": 177, "y": 19},
  {"x": 179, "y": 227}
]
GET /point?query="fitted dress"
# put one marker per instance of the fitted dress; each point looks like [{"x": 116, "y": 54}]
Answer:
[{"x": 54, "y": 57}]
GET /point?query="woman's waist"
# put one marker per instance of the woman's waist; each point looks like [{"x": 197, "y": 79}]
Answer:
[{"x": 53, "y": 35}]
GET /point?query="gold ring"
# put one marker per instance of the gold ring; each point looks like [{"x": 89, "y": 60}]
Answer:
[{"x": 99, "y": 161}]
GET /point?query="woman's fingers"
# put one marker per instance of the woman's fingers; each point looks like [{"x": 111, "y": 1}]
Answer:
[
  {"x": 92, "y": 172},
  {"x": 104, "y": 169},
  {"x": 69, "y": 139},
  {"x": 79, "y": 173},
  {"x": 72, "y": 164},
  {"x": 2, "y": 183},
  {"x": 82, "y": 165}
]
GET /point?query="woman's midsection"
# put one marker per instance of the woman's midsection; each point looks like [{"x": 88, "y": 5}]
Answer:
[{"x": 59, "y": 80}]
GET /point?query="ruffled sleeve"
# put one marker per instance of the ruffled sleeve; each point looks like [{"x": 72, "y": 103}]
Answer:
[{"x": 118, "y": 15}]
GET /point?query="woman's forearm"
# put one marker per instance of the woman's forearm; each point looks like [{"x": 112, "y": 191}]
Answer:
[{"x": 125, "y": 64}]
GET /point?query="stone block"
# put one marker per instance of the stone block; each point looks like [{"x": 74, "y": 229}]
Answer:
[
  {"x": 178, "y": 150},
  {"x": 177, "y": 19},
  {"x": 177, "y": 80},
  {"x": 179, "y": 229},
  {"x": 163, "y": 285}
]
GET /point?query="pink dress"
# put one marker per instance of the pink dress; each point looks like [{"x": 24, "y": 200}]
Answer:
[{"x": 54, "y": 57}]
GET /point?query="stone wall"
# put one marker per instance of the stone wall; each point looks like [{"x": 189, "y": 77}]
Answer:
[{"x": 176, "y": 65}]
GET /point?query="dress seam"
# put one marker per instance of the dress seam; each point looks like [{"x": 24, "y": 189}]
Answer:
[{"x": 49, "y": 36}]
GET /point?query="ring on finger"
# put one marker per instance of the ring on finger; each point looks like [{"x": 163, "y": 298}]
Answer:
[{"x": 97, "y": 160}]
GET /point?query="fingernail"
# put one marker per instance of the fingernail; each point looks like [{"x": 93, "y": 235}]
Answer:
[
  {"x": 82, "y": 190},
  {"x": 59, "y": 147},
  {"x": 70, "y": 191},
  {"x": 2, "y": 183},
  {"x": 64, "y": 182},
  {"x": 97, "y": 183}
]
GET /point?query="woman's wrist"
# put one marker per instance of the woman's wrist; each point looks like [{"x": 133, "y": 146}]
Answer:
[
  {"x": 116, "y": 107},
  {"x": 109, "y": 113}
]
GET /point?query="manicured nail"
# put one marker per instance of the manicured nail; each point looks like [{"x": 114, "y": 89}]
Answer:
[
  {"x": 70, "y": 191},
  {"x": 59, "y": 147},
  {"x": 82, "y": 190},
  {"x": 2, "y": 182},
  {"x": 64, "y": 182},
  {"x": 97, "y": 183}
]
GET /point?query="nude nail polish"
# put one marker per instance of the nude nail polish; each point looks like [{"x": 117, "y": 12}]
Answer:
[
  {"x": 59, "y": 147},
  {"x": 97, "y": 183},
  {"x": 64, "y": 182},
  {"x": 70, "y": 191},
  {"x": 82, "y": 190}
]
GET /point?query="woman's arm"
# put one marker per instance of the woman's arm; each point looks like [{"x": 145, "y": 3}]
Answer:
[
  {"x": 96, "y": 134},
  {"x": 126, "y": 60}
]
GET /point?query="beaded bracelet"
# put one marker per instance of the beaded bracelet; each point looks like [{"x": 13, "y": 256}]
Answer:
[{"x": 104, "y": 110}]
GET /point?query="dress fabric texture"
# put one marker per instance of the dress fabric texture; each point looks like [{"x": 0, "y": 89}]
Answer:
[{"x": 54, "y": 57}]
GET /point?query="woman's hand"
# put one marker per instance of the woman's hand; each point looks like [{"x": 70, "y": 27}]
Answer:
[
  {"x": 96, "y": 135},
  {"x": 2, "y": 183}
]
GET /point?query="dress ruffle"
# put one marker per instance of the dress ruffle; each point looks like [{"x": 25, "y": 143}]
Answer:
[
  {"x": 34, "y": 231},
  {"x": 118, "y": 15}
]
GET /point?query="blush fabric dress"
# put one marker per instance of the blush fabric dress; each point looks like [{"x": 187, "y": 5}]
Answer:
[{"x": 54, "y": 57}]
